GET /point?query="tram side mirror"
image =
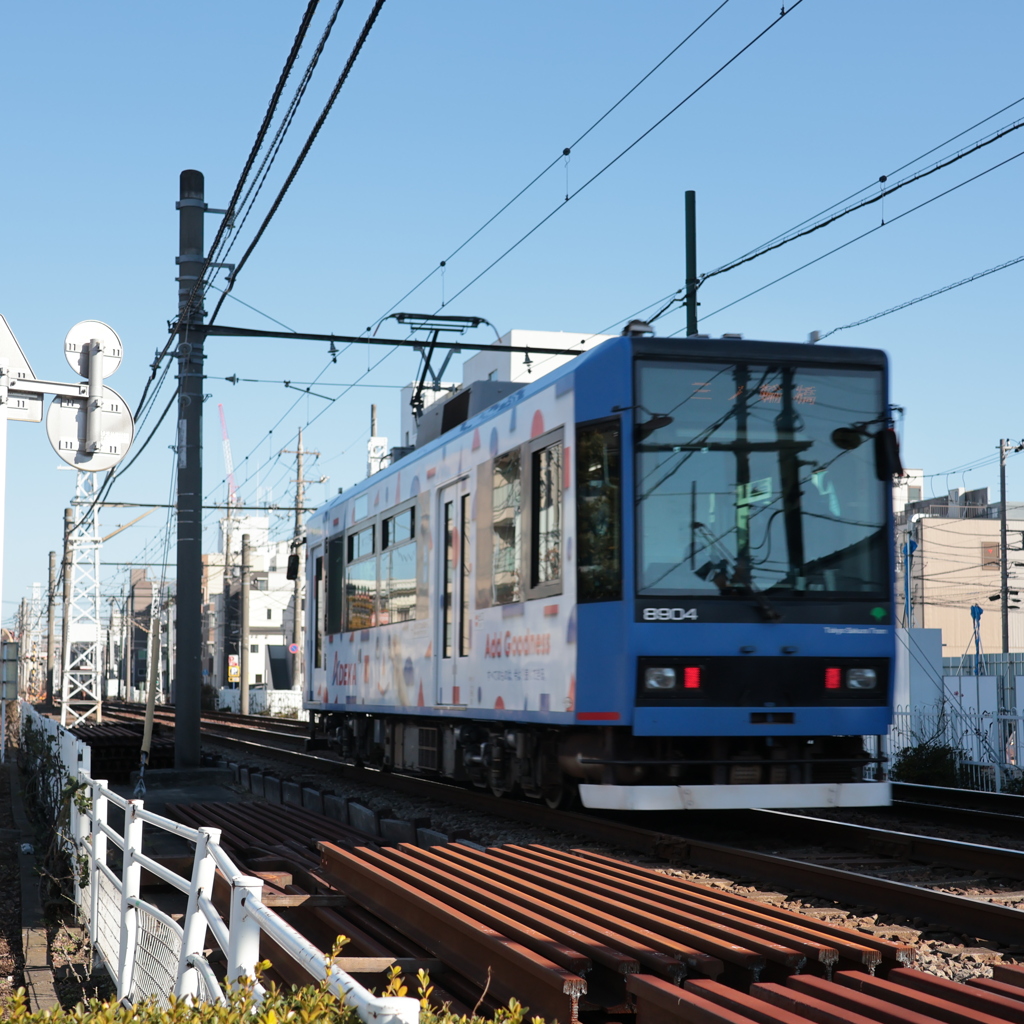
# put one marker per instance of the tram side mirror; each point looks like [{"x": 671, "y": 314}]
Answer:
[
  {"x": 847, "y": 438},
  {"x": 293, "y": 567},
  {"x": 887, "y": 455},
  {"x": 656, "y": 422}
]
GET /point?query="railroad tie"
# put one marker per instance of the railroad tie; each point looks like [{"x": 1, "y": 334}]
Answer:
[
  {"x": 892, "y": 953},
  {"x": 475, "y": 950}
]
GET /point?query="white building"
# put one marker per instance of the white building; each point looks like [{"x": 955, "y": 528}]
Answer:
[{"x": 271, "y": 608}]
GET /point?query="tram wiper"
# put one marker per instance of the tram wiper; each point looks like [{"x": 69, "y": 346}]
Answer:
[{"x": 718, "y": 573}]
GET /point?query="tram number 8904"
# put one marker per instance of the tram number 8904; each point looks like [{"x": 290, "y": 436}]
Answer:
[{"x": 670, "y": 614}]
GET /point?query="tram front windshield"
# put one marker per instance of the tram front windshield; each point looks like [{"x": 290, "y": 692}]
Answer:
[{"x": 759, "y": 478}]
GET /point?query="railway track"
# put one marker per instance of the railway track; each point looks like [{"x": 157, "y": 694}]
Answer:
[
  {"x": 684, "y": 839},
  {"x": 581, "y": 935}
]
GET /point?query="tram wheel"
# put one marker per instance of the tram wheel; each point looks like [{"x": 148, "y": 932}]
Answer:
[{"x": 562, "y": 796}]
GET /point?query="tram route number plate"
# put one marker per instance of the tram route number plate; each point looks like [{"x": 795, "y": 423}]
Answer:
[{"x": 670, "y": 615}]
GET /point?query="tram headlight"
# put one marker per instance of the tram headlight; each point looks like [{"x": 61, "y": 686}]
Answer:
[
  {"x": 660, "y": 679},
  {"x": 861, "y": 678}
]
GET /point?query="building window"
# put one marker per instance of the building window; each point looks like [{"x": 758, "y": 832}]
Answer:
[
  {"x": 990, "y": 557},
  {"x": 506, "y": 527},
  {"x": 913, "y": 494},
  {"x": 254, "y": 648},
  {"x": 259, "y": 678},
  {"x": 270, "y": 614}
]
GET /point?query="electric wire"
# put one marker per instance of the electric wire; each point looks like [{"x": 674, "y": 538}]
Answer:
[
  {"x": 611, "y": 163},
  {"x": 903, "y": 167},
  {"x": 226, "y": 225},
  {"x": 885, "y": 192},
  {"x": 857, "y": 238},
  {"x": 565, "y": 152},
  {"x": 307, "y": 146},
  {"x": 923, "y": 298},
  {"x": 255, "y": 186}
]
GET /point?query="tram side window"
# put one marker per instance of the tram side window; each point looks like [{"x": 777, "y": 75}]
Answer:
[
  {"x": 335, "y": 579},
  {"x": 506, "y": 529},
  {"x": 546, "y": 518},
  {"x": 398, "y": 568},
  {"x": 361, "y": 580},
  {"x": 599, "y": 512}
]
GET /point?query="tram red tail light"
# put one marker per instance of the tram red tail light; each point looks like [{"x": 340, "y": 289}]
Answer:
[
  {"x": 691, "y": 677},
  {"x": 833, "y": 678}
]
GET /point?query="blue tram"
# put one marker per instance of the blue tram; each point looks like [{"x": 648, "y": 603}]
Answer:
[{"x": 659, "y": 576}]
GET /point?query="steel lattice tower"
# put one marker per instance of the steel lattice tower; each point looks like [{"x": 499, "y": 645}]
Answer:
[{"x": 82, "y": 649}]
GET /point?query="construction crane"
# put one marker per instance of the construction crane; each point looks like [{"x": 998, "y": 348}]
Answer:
[{"x": 229, "y": 464}]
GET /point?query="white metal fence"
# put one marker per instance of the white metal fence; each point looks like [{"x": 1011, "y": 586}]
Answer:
[
  {"x": 147, "y": 953},
  {"x": 986, "y": 746},
  {"x": 280, "y": 703}
]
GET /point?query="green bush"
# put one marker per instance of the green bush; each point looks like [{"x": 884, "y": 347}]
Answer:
[
  {"x": 312, "y": 1004},
  {"x": 928, "y": 764}
]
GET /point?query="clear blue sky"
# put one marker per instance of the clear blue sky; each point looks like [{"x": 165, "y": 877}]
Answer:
[{"x": 452, "y": 107}]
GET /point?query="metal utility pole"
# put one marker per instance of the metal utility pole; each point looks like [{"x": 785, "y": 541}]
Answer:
[
  {"x": 51, "y": 600},
  {"x": 191, "y": 338},
  {"x": 691, "y": 263},
  {"x": 243, "y": 631},
  {"x": 69, "y": 522},
  {"x": 81, "y": 658}
]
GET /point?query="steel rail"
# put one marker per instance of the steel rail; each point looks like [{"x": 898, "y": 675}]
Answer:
[
  {"x": 961, "y": 914},
  {"x": 1002, "y": 863},
  {"x": 960, "y": 799}
]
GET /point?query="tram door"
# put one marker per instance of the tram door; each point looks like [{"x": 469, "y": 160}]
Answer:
[{"x": 453, "y": 544}]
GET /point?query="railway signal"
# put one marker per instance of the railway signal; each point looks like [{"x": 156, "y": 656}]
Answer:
[{"x": 88, "y": 424}]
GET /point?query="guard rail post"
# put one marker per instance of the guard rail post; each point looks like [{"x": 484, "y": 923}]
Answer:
[
  {"x": 98, "y": 814},
  {"x": 194, "y": 925},
  {"x": 244, "y": 942},
  {"x": 131, "y": 877}
]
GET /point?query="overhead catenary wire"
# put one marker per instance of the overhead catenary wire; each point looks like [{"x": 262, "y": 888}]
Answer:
[
  {"x": 863, "y": 235},
  {"x": 873, "y": 184},
  {"x": 564, "y": 153},
  {"x": 794, "y": 232},
  {"x": 928, "y": 295},
  {"x": 611, "y": 163},
  {"x": 885, "y": 192}
]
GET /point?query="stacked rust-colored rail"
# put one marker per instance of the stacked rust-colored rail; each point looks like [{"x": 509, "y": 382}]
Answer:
[
  {"x": 543, "y": 916},
  {"x": 551, "y": 928},
  {"x": 904, "y": 997},
  {"x": 117, "y": 749}
]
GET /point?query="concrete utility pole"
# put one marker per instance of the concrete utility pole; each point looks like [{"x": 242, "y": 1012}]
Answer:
[
  {"x": 191, "y": 338},
  {"x": 126, "y": 654},
  {"x": 243, "y": 642},
  {"x": 300, "y": 494},
  {"x": 51, "y": 601},
  {"x": 299, "y": 549},
  {"x": 691, "y": 263},
  {"x": 1004, "y": 569}
]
